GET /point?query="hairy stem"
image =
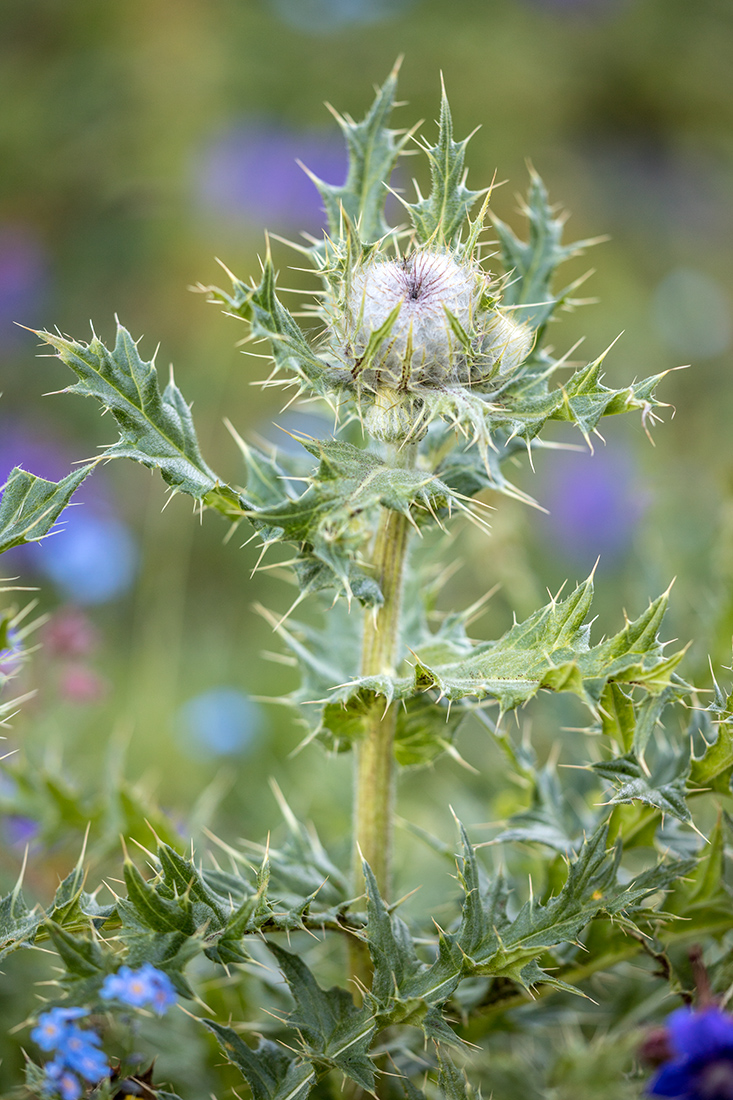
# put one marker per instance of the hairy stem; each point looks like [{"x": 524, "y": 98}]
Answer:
[{"x": 375, "y": 772}]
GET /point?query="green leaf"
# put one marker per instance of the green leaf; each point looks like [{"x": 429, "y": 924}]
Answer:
[
  {"x": 154, "y": 911},
  {"x": 451, "y": 1082},
  {"x": 550, "y": 820},
  {"x": 30, "y": 505},
  {"x": 531, "y": 264},
  {"x": 18, "y": 924},
  {"x": 424, "y": 730},
  {"x": 405, "y": 989},
  {"x": 439, "y": 217},
  {"x": 551, "y": 649},
  {"x": 497, "y": 945},
  {"x": 268, "y": 1070},
  {"x": 715, "y": 766},
  {"x": 332, "y": 521},
  {"x": 617, "y": 716},
  {"x": 81, "y": 955},
  {"x": 334, "y": 1030},
  {"x": 373, "y": 151},
  {"x": 181, "y": 875},
  {"x": 664, "y": 788},
  {"x": 156, "y": 430}
]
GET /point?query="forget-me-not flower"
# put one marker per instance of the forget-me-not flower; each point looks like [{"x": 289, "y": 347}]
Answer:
[{"x": 139, "y": 988}]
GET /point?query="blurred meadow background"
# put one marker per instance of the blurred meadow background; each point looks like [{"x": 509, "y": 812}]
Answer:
[{"x": 138, "y": 142}]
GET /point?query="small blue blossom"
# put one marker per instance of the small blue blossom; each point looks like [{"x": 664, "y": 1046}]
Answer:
[
  {"x": 139, "y": 988},
  {"x": 77, "y": 1052},
  {"x": 61, "y": 1081},
  {"x": 80, "y": 1053},
  {"x": 53, "y": 1026},
  {"x": 701, "y": 1066}
]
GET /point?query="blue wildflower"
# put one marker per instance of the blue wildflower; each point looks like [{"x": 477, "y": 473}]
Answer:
[
  {"x": 80, "y": 1053},
  {"x": 701, "y": 1063},
  {"x": 60, "y": 1080},
  {"x": 54, "y": 1025},
  {"x": 77, "y": 1052},
  {"x": 141, "y": 987}
]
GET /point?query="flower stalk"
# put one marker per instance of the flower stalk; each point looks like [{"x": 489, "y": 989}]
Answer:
[{"x": 374, "y": 788}]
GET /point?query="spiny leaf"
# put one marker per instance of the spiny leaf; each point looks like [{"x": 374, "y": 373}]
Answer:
[
  {"x": 441, "y": 215},
  {"x": 153, "y": 910},
  {"x": 155, "y": 429},
  {"x": 81, "y": 955},
  {"x": 373, "y": 151},
  {"x": 331, "y": 521},
  {"x": 269, "y": 1071},
  {"x": 451, "y": 1082},
  {"x": 551, "y": 649},
  {"x": 531, "y": 264},
  {"x": 664, "y": 789},
  {"x": 182, "y": 876},
  {"x": 335, "y": 1031},
  {"x": 511, "y": 948},
  {"x": 30, "y": 505},
  {"x": 18, "y": 924},
  {"x": 715, "y": 766}
]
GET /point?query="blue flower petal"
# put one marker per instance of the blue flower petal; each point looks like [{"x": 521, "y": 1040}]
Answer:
[
  {"x": 701, "y": 1033},
  {"x": 673, "y": 1080}
]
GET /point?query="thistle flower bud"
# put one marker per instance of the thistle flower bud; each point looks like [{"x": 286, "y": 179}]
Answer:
[{"x": 420, "y": 323}]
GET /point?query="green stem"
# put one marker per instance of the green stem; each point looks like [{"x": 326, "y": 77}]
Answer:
[{"x": 375, "y": 770}]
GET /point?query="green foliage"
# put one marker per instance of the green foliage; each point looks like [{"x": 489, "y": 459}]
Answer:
[
  {"x": 594, "y": 869},
  {"x": 531, "y": 264},
  {"x": 373, "y": 151},
  {"x": 30, "y": 505},
  {"x": 155, "y": 429},
  {"x": 441, "y": 216}
]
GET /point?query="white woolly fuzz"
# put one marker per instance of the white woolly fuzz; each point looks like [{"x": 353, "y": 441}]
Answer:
[
  {"x": 423, "y": 322},
  {"x": 506, "y": 343},
  {"x": 421, "y": 347}
]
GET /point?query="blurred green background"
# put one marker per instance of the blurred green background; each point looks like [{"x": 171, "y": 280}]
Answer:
[{"x": 138, "y": 141}]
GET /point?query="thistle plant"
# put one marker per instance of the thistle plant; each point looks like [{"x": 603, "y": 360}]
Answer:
[{"x": 436, "y": 370}]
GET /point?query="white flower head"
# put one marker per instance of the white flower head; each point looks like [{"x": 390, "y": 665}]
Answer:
[{"x": 423, "y": 322}]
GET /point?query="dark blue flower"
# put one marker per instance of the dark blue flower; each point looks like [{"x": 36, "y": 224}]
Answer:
[{"x": 701, "y": 1067}]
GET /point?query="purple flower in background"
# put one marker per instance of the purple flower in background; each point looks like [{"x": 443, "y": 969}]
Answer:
[
  {"x": 221, "y": 722},
  {"x": 70, "y": 633},
  {"x": 700, "y": 1064},
  {"x": 249, "y": 171},
  {"x": 330, "y": 16},
  {"x": 594, "y": 502},
  {"x": 20, "y": 830},
  {"x": 141, "y": 987},
  {"x": 23, "y": 280}
]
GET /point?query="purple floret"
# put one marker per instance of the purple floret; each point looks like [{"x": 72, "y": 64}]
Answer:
[{"x": 702, "y": 1064}]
